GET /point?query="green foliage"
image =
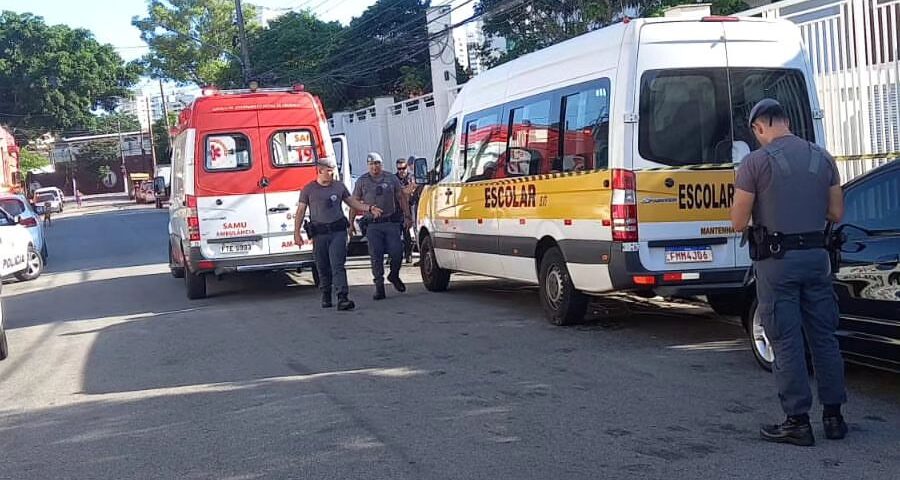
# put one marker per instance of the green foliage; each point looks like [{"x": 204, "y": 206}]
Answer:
[
  {"x": 161, "y": 138},
  {"x": 718, "y": 7},
  {"x": 53, "y": 77},
  {"x": 94, "y": 156},
  {"x": 111, "y": 122},
  {"x": 194, "y": 41},
  {"x": 29, "y": 161}
]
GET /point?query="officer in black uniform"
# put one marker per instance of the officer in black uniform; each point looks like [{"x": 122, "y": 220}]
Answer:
[
  {"x": 791, "y": 188},
  {"x": 384, "y": 232},
  {"x": 327, "y": 229}
]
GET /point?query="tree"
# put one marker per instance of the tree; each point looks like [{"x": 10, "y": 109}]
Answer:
[
  {"x": 194, "y": 41},
  {"x": 30, "y": 161},
  {"x": 53, "y": 77},
  {"x": 161, "y": 139},
  {"x": 113, "y": 122},
  {"x": 718, "y": 7},
  {"x": 94, "y": 156}
]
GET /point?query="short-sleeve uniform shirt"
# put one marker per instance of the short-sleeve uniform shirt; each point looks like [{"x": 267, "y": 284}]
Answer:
[{"x": 324, "y": 201}]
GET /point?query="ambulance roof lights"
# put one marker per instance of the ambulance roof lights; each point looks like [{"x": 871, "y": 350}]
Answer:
[
  {"x": 719, "y": 18},
  {"x": 298, "y": 87},
  {"x": 254, "y": 85},
  {"x": 209, "y": 91}
]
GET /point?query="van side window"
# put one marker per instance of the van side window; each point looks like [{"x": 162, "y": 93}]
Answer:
[
  {"x": 586, "y": 122},
  {"x": 532, "y": 139},
  {"x": 177, "y": 171},
  {"x": 485, "y": 143},
  {"x": 443, "y": 159},
  {"x": 293, "y": 148},
  {"x": 226, "y": 152}
]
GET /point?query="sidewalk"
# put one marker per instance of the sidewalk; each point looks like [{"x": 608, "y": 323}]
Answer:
[{"x": 96, "y": 204}]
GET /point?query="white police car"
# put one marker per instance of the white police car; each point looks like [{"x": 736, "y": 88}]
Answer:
[{"x": 18, "y": 254}]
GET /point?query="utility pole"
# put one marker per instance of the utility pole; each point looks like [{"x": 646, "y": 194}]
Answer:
[
  {"x": 124, "y": 170},
  {"x": 152, "y": 143},
  {"x": 245, "y": 56},
  {"x": 165, "y": 108}
]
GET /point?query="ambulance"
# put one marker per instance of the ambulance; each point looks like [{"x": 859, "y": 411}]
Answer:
[
  {"x": 239, "y": 161},
  {"x": 606, "y": 163}
]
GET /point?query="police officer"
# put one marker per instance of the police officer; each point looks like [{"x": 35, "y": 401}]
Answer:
[
  {"x": 791, "y": 188},
  {"x": 384, "y": 232},
  {"x": 327, "y": 229},
  {"x": 408, "y": 182}
]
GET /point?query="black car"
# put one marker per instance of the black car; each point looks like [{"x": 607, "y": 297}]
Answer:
[{"x": 867, "y": 277}]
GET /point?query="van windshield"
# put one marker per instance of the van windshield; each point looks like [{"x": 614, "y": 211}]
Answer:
[{"x": 699, "y": 116}]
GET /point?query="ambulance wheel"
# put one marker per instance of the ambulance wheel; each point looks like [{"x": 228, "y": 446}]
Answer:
[
  {"x": 177, "y": 272},
  {"x": 759, "y": 342},
  {"x": 34, "y": 268},
  {"x": 435, "y": 278},
  {"x": 195, "y": 284},
  {"x": 562, "y": 303}
]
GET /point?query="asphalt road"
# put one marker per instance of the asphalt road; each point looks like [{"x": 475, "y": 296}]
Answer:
[{"x": 114, "y": 374}]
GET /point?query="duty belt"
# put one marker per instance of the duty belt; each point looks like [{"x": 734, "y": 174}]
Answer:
[{"x": 765, "y": 245}]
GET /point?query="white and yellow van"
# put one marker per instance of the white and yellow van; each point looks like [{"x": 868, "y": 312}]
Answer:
[{"x": 606, "y": 162}]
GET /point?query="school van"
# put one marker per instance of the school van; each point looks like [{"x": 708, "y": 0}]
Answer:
[
  {"x": 239, "y": 161},
  {"x": 606, "y": 163}
]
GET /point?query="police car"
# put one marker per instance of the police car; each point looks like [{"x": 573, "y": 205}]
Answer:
[{"x": 18, "y": 255}]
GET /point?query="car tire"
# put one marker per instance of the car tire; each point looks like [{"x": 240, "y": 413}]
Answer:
[
  {"x": 177, "y": 272},
  {"x": 34, "y": 268},
  {"x": 728, "y": 303},
  {"x": 435, "y": 278},
  {"x": 562, "y": 302},
  {"x": 195, "y": 285},
  {"x": 4, "y": 346},
  {"x": 759, "y": 343}
]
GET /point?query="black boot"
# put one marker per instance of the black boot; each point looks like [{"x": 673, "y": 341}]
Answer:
[
  {"x": 398, "y": 284},
  {"x": 794, "y": 430},
  {"x": 835, "y": 427},
  {"x": 379, "y": 292},
  {"x": 345, "y": 303},
  {"x": 326, "y": 298}
]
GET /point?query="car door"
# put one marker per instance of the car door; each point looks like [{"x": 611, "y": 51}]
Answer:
[
  {"x": 867, "y": 282},
  {"x": 14, "y": 241},
  {"x": 442, "y": 206}
]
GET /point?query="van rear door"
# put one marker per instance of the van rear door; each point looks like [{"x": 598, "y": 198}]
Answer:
[
  {"x": 230, "y": 198},
  {"x": 291, "y": 142},
  {"x": 682, "y": 156}
]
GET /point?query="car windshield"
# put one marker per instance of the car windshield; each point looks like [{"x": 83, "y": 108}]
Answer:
[
  {"x": 46, "y": 197},
  {"x": 12, "y": 206}
]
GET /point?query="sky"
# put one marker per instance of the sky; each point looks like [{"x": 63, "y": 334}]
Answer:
[{"x": 110, "y": 20}]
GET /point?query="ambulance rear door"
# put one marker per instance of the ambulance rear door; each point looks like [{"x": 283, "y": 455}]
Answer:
[{"x": 683, "y": 150}]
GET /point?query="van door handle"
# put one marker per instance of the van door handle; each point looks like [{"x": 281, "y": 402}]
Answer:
[
  {"x": 279, "y": 209},
  {"x": 263, "y": 182}
]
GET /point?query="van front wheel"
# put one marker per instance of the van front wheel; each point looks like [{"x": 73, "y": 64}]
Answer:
[
  {"x": 435, "y": 278},
  {"x": 195, "y": 285},
  {"x": 562, "y": 303}
]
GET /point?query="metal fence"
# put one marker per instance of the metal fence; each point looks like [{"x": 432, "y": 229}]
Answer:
[{"x": 855, "y": 57}]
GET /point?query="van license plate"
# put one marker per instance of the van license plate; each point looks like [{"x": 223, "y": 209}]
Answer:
[
  {"x": 688, "y": 254},
  {"x": 236, "y": 247}
]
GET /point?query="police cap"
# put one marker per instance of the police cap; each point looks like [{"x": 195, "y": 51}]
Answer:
[
  {"x": 326, "y": 162},
  {"x": 374, "y": 157},
  {"x": 767, "y": 107}
]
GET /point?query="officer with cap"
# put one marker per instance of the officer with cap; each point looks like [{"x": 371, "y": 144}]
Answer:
[
  {"x": 384, "y": 231},
  {"x": 791, "y": 188},
  {"x": 327, "y": 229}
]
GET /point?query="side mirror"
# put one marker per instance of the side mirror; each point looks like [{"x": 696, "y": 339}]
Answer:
[{"x": 420, "y": 167}]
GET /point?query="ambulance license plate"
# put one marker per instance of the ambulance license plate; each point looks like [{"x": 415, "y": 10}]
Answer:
[
  {"x": 242, "y": 247},
  {"x": 688, "y": 254}
]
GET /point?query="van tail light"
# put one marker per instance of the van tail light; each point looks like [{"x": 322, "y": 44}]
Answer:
[
  {"x": 624, "y": 206},
  {"x": 29, "y": 222},
  {"x": 719, "y": 18},
  {"x": 193, "y": 219}
]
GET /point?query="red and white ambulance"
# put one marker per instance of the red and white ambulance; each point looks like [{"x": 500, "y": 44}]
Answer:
[{"x": 239, "y": 161}]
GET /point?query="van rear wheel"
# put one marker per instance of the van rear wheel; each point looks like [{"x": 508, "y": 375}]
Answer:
[
  {"x": 195, "y": 284},
  {"x": 435, "y": 278},
  {"x": 562, "y": 302}
]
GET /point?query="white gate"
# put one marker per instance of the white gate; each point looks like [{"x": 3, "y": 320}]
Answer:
[{"x": 854, "y": 53}]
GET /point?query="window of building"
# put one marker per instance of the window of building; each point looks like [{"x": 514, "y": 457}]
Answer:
[
  {"x": 226, "y": 152},
  {"x": 586, "y": 124}
]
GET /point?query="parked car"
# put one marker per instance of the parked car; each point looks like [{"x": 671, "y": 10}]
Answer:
[
  {"x": 866, "y": 277},
  {"x": 144, "y": 193},
  {"x": 53, "y": 195},
  {"x": 18, "y": 255},
  {"x": 18, "y": 206}
]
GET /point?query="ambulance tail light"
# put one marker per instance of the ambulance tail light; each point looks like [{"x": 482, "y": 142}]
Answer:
[
  {"x": 719, "y": 18},
  {"x": 624, "y": 206},
  {"x": 193, "y": 219}
]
